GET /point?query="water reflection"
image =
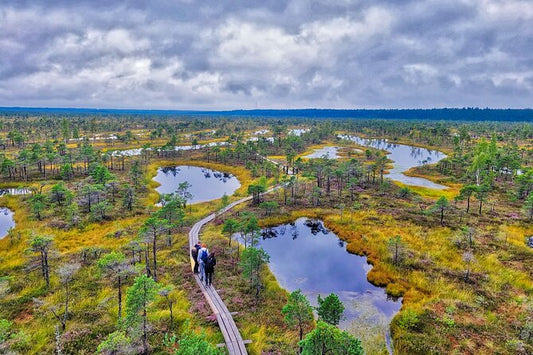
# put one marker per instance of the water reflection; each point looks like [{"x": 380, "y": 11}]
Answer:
[
  {"x": 138, "y": 151},
  {"x": 206, "y": 184},
  {"x": 306, "y": 255},
  {"x": 6, "y": 221},
  {"x": 330, "y": 152},
  {"x": 404, "y": 157},
  {"x": 14, "y": 191}
]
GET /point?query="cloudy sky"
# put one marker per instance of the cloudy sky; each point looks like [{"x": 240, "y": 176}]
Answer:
[{"x": 266, "y": 54}]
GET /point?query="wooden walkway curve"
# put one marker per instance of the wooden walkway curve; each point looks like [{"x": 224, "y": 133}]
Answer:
[{"x": 232, "y": 336}]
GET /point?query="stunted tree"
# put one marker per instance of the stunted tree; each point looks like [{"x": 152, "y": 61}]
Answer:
[
  {"x": 90, "y": 195},
  {"x": 328, "y": 339},
  {"x": 38, "y": 204},
  {"x": 101, "y": 210},
  {"x": 101, "y": 174},
  {"x": 42, "y": 244},
  {"x": 466, "y": 193},
  {"x": 138, "y": 298},
  {"x": 224, "y": 201},
  {"x": 269, "y": 206},
  {"x": 441, "y": 206},
  {"x": 116, "y": 343},
  {"x": 66, "y": 274},
  {"x": 190, "y": 343},
  {"x": 116, "y": 268},
  {"x": 252, "y": 262},
  {"x": 152, "y": 228},
  {"x": 482, "y": 193},
  {"x": 172, "y": 211},
  {"x": 60, "y": 194},
  {"x": 468, "y": 258},
  {"x": 230, "y": 227},
  {"x": 251, "y": 229},
  {"x": 298, "y": 313},
  {"x": 166, "y": 292},
  {"x": 257, "y": 189},
  {"x": 528, "y": 207},
  {"x": 128, "y": 197},
  {"x": 330, "y": 309},
  {"x": 135, "y": 173},
  {"x": 396, "y": 248}
]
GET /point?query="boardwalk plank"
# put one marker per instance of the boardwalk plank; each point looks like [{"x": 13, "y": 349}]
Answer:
[{"x": 228, "y": 327}]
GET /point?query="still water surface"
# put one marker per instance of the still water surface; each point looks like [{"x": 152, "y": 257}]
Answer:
[
  {"x": 206, "y": 184},
  {"x": 6, "y": 221},
  {"x": 329, "y": 151},
  {"x": 404, "y": 158},
  {"x": 305, "y": 255}
]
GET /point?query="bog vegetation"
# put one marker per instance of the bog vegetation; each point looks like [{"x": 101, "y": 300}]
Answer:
[{"x": 94, "y": 263}]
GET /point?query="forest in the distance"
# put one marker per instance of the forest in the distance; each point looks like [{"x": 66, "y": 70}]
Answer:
[
  {"x": 445, "y": 114},
  {"x": 428, "y": 211}
]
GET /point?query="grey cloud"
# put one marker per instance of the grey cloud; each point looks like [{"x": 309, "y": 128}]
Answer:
[{"x": 247, "y": 54}]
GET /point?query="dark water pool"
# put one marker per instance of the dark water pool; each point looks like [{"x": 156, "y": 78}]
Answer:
[
  {"x": 305, "y": 255},
  {"x": 206, "y": 184}
]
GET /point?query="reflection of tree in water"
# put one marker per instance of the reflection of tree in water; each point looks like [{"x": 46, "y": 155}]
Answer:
[
  {"x": 282, "y": 229},
  {"x": 221, "y": 176},
  {"x": 13, "y": 191},
  {"x": 269, "y": 233},
  {"x": 173, "y": 170},
  {"x": 316, "y": 226},
  {"x": 294, "y": 231}
]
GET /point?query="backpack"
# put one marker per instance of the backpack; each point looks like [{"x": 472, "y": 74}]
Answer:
[
  {"x": 204, "y": 256},
  {"x": 210, "y": 262}
]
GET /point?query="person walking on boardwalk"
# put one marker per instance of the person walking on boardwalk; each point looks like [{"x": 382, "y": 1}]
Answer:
[
  {"x": 210, "y": 268},
  {"x": 203, "y": 254},
  {"x": 194, "y": 255}
]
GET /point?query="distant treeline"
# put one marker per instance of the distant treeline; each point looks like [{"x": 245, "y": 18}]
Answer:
[{"x": 453, "y": 114}]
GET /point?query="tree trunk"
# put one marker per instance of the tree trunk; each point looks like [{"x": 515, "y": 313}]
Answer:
[
  {"x": 145, "y": 331},
  {"x": 154, "y": 253},
  {"x": 65, "y": 315},
  {"x": 147, "y": 261},
  {"x": 119, "y": 298}
]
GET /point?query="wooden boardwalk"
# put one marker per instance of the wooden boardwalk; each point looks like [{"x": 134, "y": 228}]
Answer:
[{"x": 232, "y": 336}]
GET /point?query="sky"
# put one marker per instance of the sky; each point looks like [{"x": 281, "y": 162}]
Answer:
[{"x": 247, "y": 54}]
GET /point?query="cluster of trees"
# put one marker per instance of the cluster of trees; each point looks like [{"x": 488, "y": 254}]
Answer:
[
  {"x": 118, "y": 270},
  {"x": 486, "y": 167},
  {"x": 101, "y": 196},
  {"x": 325, "y": 338}
]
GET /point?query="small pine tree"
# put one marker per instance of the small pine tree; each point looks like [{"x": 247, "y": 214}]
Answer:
[
  {"x": 298, "y": 312},
  {"x": 190, "y": 343},
  {"x": 328, "y": 339},
  {"x": 139, "y": 296},
  {"x": 252, "y": 262},
  {"x": 330, "y": 309}
]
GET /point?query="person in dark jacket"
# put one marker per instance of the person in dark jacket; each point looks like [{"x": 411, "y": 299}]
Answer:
[
  {"x": 194, "y": 255},
  {"x": 210, "y": 268}
]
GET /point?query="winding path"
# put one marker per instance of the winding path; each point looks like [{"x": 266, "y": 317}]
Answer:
[{"x": 232, "y": 336}]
